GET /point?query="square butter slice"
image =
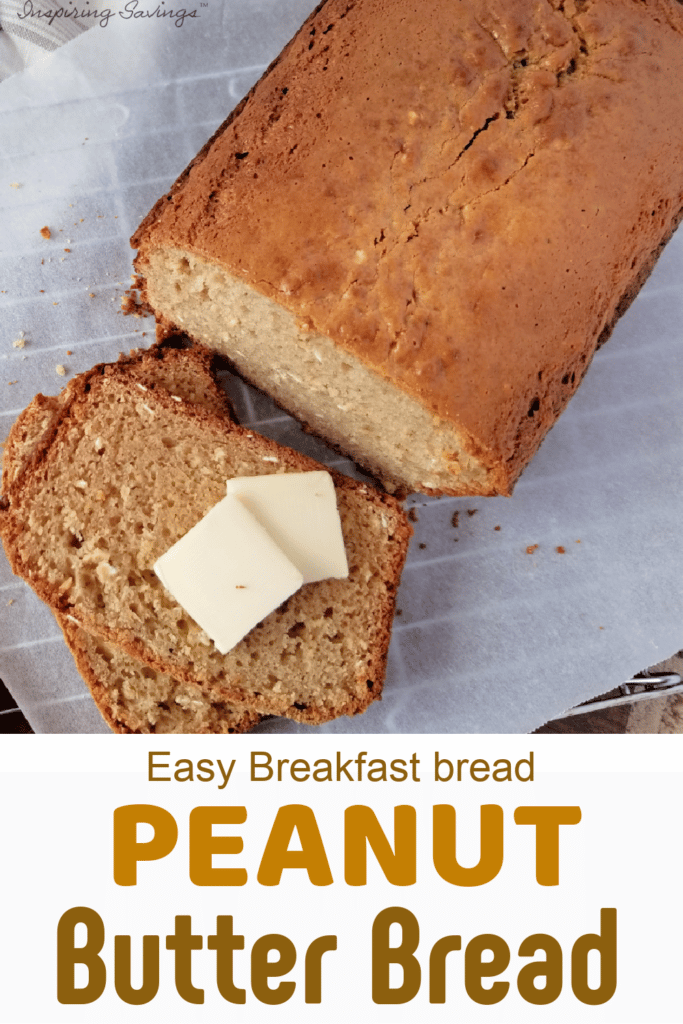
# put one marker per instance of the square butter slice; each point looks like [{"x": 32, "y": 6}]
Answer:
[
  {"x": 228, "y": 573},
  {"x": 299, "y": 511}
]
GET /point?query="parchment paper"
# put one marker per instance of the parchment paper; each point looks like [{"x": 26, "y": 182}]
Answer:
[{"x": 528, "y": 605}]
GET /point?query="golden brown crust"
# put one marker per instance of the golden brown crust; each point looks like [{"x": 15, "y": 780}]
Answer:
[
  {"x": 26, "y": 436},
  {"x": 468, "y": 230}
]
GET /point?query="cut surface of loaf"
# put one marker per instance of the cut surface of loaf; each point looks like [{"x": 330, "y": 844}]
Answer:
[
  {"x": 124, "y": 474},
  {"x": 130, "y": 696},
  {"x": 415, "y": 231}
]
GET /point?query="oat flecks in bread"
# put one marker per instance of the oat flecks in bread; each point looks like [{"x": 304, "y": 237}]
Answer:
[
  {"x": 153, "y": 466},
  {"x": 131, "y": 696},
  {"x": 187, "y": 371},
  {"x": 416, "y": 230},
  {"x": 134, "y": 698}
]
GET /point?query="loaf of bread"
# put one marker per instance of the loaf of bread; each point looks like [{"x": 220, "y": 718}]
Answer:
[
  {"x": 420, "y": 224},
  {"x": 124, "y": 471},
  {"x": 131, "y": 696}
]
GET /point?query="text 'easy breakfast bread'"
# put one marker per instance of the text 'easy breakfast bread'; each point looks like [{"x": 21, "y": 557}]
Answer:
[{"x": 424, "y": 219}]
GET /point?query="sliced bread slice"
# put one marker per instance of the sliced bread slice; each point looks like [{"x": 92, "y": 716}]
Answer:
[
  {"x": 132, "y": 697},
  {"x": 181, "y": 369},
  {"x": 122, "y": 476}
]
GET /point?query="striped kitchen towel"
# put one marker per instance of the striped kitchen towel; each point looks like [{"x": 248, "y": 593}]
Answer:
[{"x": 29, "y": 29}]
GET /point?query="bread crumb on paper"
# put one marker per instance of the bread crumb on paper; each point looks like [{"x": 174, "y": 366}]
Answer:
[
  {"x": 532, "y": 547},
  {"x": 61, "y": 370},
  {"x": 45, "y": 232}
]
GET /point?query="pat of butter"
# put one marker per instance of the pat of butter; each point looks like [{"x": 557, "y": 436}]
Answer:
[
  {"x": 228, "y": 573},
  {"x": 299, "y": 511}
]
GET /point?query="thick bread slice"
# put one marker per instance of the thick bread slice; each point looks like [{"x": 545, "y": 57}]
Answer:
[
  {"x": 186, "y": 371},
  {"x": 130, "y": 696},
  {"x": 124, "y": 475}
]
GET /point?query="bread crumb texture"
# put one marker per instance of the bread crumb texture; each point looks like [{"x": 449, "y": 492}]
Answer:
[
  {"x": 134, "y": 698},
  {"x": 130, "y": 695},
  {"x": 120, "y": 474}
]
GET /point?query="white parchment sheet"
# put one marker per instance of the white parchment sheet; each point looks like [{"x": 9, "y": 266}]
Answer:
[{"x": 525, "y": 607}]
